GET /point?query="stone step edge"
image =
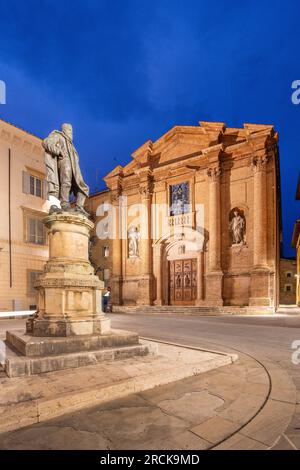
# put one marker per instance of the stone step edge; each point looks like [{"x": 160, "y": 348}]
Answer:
[
  {"x": 23, "y": 414},
  {"x": 26, "y": 345},
  {"x": 24, "y": 366},
  {"x": 185, "y": 313}
]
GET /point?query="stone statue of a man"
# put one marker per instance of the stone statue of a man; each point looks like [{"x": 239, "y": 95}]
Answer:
[
  {"x": 133, "y": 242},
  {"x": 63, "y": 171},
  {"x": 237, "y": 228}
]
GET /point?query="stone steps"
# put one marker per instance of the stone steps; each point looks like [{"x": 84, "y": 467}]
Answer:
[
  {"x": 16, "y": 365},
  {"x": 23, "y": 354},
  {"x": 33, "y": 346},
  {"x": 191, "y": 310}
]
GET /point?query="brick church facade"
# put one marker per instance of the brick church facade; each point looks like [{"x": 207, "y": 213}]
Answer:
[{"x": 193, "y": 220}]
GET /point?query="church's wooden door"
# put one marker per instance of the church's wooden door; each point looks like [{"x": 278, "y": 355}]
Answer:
[{"x": 182, "y": 282}]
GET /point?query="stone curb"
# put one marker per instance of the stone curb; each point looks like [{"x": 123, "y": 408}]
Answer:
[
  {"x": 257, "y": 420},
  {"x": 263, "y": 431},
  {"x": 230, "y": 421}
]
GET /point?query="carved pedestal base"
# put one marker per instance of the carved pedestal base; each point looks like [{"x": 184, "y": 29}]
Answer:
[
  {"x": 69, "y": 294},
  {"x": 70, "y": 328},
  {"x": 56, "y": 327}
]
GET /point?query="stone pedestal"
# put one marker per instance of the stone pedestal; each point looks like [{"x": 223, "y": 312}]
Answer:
[
  {"x": 69, "y": 293},
  {"x": 69, "y": 328}
]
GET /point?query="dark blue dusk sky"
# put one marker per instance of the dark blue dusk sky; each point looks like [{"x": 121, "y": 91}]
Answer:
[{"x": 125, "y": 71}]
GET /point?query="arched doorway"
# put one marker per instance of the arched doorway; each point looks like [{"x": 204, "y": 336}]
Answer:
[{"x": 179, "y": 267}]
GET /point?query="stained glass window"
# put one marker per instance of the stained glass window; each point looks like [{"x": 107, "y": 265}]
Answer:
[{"x": 179, "y": 199}]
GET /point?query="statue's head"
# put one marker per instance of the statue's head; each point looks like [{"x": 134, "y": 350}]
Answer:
[{"x": 68, "y": 130}]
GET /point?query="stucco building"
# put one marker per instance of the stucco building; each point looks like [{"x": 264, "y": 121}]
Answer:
[
  {"x": 23, "y": 239},
  {"x": 296, "y": 245},
  {"x": 193, "y": 220},
  {"x": 288, "y": 281}
]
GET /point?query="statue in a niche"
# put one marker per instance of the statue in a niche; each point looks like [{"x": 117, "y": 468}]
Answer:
[
  {"x": 133, "y": 242},
  {"x": 237, "y": 228},
  {"x": 63, "y": 171}
]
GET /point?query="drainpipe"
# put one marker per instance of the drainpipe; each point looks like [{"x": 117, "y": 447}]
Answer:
[{"x": 9, "y": 217}]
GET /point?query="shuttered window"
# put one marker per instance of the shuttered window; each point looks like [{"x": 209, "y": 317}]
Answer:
[
  {"x": 35, "y": 231},
  {"x": 34, "y": 185}
]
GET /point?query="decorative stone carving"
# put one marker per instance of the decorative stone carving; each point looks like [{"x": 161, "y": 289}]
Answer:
[
  {"x": 237, "y": 227},
  {"x": 92, "y": 243},
  {"x": 94, "y": 283},
  {"x": 258, "y": 163},
  {"x": 214, "y": 173},
  {"x": 181, "y": 250},
  {"x": 145, "y": 192},
  {"x": 134, "y": 237},
  {"x": 114, "y": 196}
]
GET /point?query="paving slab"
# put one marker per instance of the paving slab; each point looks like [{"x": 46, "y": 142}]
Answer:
[
  {"x": 25, "y": 400},
  {"x": 241, "y": 442},
  {"x": 215, "y": 429},
  {"x": 270, "y": 423},
  {"x": 224, "y": 408},
  {"x": 166, "y": 417},
  {"x": 243, "y": 409},
  {"x": 128, "y": 423},
  {"x": 205, "y": 405},
  {"x": 284, "y": 443}
]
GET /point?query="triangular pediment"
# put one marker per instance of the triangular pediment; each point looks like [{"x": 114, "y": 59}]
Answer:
[
  {"x": 181, "y": 141},
  {"x": 117, "y": 171},
  {"x": 177, "y": 142},
  {"x": 130, "y": 167}
]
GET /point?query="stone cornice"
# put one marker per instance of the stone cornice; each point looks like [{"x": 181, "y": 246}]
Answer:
[
  {"x": 143, "y": 153},
  {"x": 33, "y": 211},
  {"x": 114, "y": 183},
  {"x": 115, "y": 195},
  {"x": 211, "y": 138},
  {"x": 144, "y": 173},
  {"x": 214, "y": 153},
  {"x": 18, "y": 138},
  {"x": 92, "y": 282},
  {"x": 114, "y": 178}
]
